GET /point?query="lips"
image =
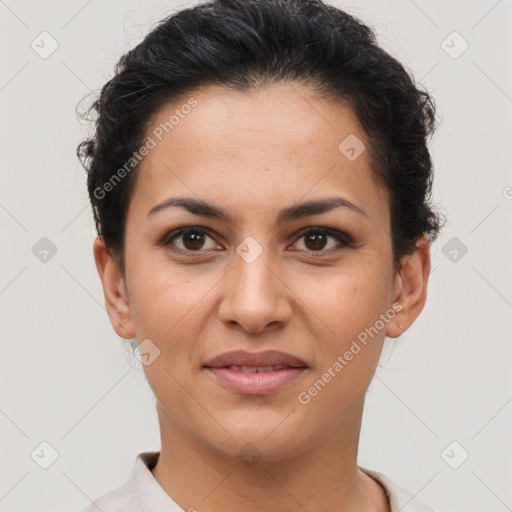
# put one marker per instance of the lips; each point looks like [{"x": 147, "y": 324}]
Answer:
[
  {"x": 267, "y": 360},
  {"x": 256, "y": 373}
]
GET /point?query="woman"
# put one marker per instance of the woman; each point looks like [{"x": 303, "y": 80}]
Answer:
[{"x": 260, "y": 182}]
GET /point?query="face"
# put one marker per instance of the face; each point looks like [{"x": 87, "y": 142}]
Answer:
[{"x": 256, "y": 272}]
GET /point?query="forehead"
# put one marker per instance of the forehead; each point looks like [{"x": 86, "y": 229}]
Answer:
[
  {"x": 258, "y": 148},
  {"x": 278, "y": 117}
]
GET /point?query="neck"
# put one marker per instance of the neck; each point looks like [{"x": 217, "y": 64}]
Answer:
[{"x": 323, "y": 476}]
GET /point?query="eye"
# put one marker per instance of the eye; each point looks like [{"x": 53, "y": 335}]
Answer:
[
  {"x": 192, "y": 239},
  {"x": 315, "y": 239}
]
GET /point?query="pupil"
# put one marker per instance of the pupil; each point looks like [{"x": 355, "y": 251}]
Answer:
[
  {"x": 317, "y": 238},
  {"x": 196, "y": 238}
]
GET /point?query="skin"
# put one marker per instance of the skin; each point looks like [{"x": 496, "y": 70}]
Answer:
[{"x": 254, "y": 154}]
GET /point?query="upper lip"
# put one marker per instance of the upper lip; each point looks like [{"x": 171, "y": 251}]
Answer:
[{"x": 265, "y": 358}]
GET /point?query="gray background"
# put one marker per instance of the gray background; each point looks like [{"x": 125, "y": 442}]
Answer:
[{"x": 67, "y": 379}]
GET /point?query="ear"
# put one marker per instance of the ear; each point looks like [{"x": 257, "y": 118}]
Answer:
[
  {"x": 411, "y": 288},
  {"x": 114, "y": 290}
]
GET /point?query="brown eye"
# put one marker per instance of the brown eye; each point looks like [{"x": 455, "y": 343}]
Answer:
[
  {"x": 192, "y": 239},
  {"x": 316, "y": 239}
]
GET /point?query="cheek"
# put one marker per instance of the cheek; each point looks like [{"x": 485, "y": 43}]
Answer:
[
  {"x": 163, "y": 297},
  {"x": 165, "y": 307},
  {"x": 349, "y": 305},
  {"x": 347, "y": 300}
]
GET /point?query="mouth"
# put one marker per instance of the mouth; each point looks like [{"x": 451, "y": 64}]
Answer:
[
  {"x": 256, "y": 369},
  {"x": 256, "y": 380},
  {"x": 259, "y": 373}
]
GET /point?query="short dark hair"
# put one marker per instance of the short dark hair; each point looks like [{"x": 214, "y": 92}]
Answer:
[{"x": 246, "y": 44}]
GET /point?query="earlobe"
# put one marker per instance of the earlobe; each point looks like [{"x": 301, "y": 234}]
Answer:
[
  {"x": 114, "y": 290},
  {"x": 411, "y": 288}
]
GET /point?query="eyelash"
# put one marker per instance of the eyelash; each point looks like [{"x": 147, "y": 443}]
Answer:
[{"x": 341, "y": 237}]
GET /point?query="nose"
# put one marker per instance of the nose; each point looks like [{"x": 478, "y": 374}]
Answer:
[{"x": 255, "y": 296}]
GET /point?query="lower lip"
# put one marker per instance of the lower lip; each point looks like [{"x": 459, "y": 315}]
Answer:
[{"x": 257, "y": 383}]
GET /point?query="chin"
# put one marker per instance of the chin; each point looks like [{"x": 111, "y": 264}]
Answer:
[{"x": 266, "y": 440}]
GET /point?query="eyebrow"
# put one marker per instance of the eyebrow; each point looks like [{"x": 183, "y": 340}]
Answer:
[{"x": 298, "y": 211}]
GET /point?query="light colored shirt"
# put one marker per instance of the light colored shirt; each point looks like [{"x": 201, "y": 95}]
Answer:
[{"x": 143, "y": 493}]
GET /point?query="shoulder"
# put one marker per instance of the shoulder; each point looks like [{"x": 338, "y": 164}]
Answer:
[
  {"x": 126, "y": 497},
  {"x": 399, "y": 498},
  {"x": 117, "y": 500},
  {"x": 141, "y": 487}
]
